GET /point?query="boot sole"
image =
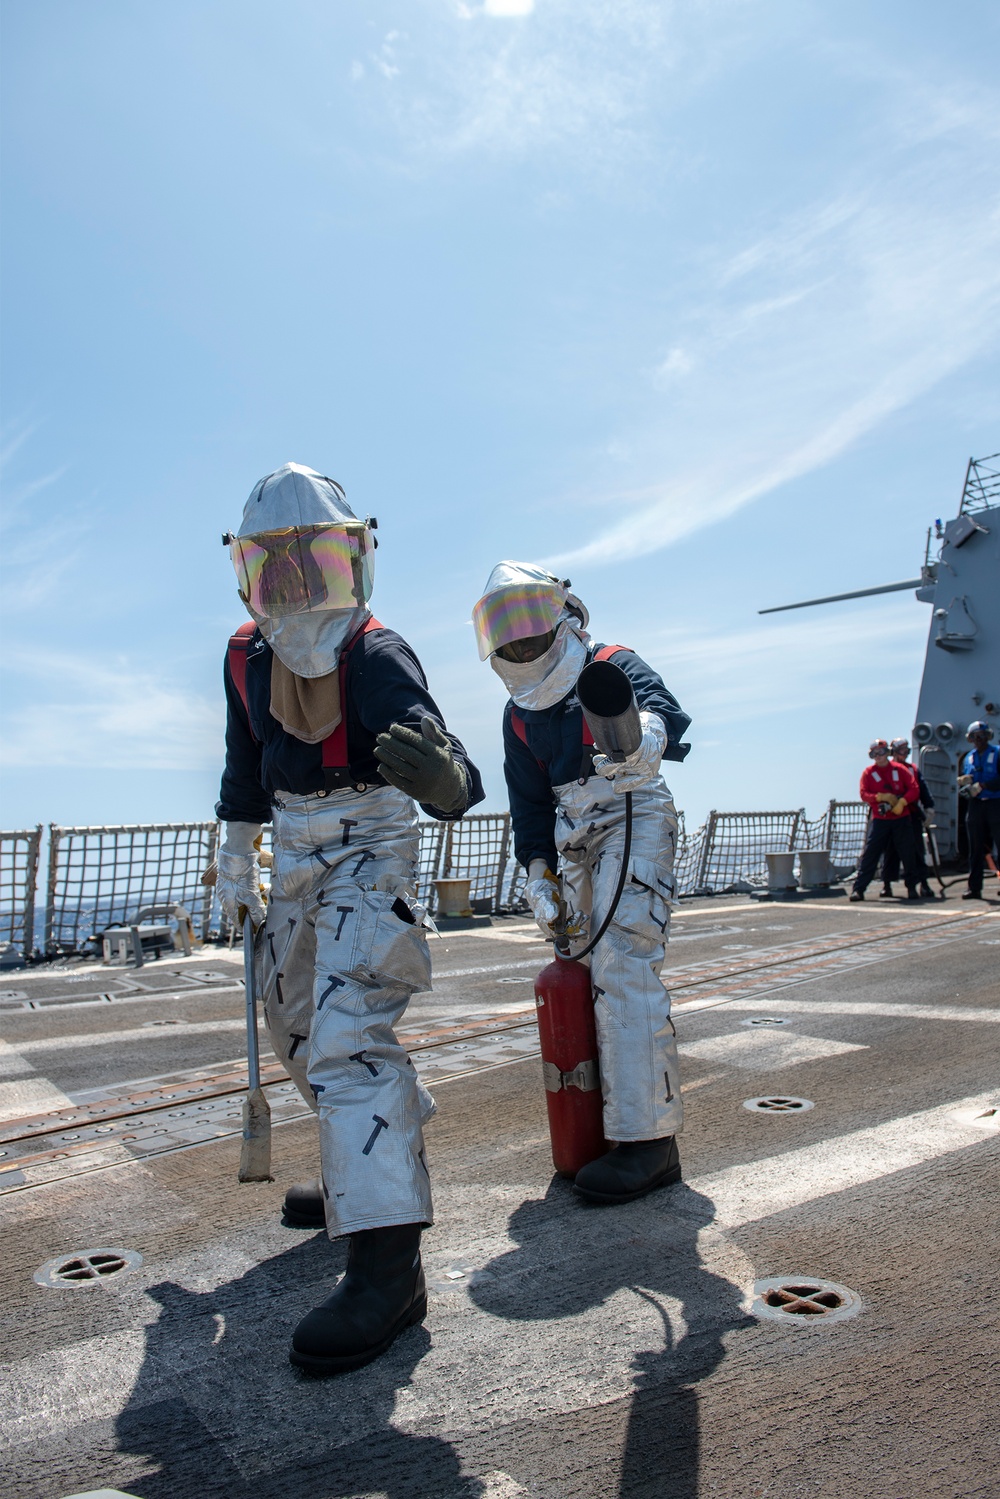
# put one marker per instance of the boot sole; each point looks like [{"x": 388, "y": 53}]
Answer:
[
  {"x": 673, "y": 1174},
  {"x": 313, "y": 1364}
]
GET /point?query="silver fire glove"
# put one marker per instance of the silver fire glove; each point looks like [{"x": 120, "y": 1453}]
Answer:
[
  {"x": 641, "y": 767},
  {"x": 542, "y": 894},
  {"x": 423, "y": 765},
  {"x": 238, "y": 881}
]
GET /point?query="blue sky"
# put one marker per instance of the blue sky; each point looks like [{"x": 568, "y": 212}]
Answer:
[{"x": 700, "y": 301}]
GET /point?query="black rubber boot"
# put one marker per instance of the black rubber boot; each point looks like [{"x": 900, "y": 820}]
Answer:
[
  {"x": 911, "y": 892},
  {"x": 304, "y": 1204},
  {"x": 857, "y": 895},
  {"x": 926, "y": 891},
  {"x": 972, "y": 895},
  {"x": 630, "y": 1170},
  {"x": 886, "y": 892},
  {"x": 381, "y": 1293}
]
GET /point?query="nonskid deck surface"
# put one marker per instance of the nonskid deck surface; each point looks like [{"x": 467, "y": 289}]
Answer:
[{"x": 567, "y": 1351}]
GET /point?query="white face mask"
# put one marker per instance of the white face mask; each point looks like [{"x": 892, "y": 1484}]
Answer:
[
  {"x": 310, "y": 644},
  {"x": 547, "y": 680}
]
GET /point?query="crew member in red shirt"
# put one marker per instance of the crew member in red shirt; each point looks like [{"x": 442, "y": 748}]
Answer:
[{"x": 890, "y": 789}]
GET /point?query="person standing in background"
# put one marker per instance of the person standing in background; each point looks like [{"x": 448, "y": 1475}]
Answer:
[
  {"x": 889, "y": 791},
  {"x": 980, "y": 783},
  {"x": 899, "y": 749}
]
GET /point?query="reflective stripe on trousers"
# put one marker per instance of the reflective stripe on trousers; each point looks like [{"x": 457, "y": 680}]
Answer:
[
  {"x": 640, "y": 1079},
  {"x": 344, "y": 948}
]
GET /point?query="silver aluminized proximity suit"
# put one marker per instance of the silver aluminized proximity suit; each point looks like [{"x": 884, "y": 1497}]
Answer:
[
  {"x": 343, "y": 949},
  {"x": 638, "y": 1050}
]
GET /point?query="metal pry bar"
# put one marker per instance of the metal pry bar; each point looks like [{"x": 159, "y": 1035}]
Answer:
[{"x": 255, "y": 1155}]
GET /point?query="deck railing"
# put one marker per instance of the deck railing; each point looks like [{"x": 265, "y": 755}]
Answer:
[{"x": 101, "y": 876}]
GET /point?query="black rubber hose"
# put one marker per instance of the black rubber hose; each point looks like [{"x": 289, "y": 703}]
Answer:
[{"x": 623, "y": 876}]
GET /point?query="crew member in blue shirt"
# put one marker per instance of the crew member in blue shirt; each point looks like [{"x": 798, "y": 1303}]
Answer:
[{"x": 980, "y": 783}]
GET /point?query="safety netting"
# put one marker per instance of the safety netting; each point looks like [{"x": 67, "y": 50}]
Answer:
[
  {"x": 18, "y": 878},
  {"x": 477, "y": 849},
  {"x": 729, "y": 851},
  {"x": 104, "y": 876},
  {"x": 734, "y": 847},
  {"x": 844, "y": 835},
  {"x": 429, "y": 863}
]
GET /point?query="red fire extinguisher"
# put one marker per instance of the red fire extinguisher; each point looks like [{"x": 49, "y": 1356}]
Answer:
[{"x": 565, "y": 1005}]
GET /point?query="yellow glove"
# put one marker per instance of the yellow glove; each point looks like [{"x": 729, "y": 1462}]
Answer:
[
  {"x": 965, "y": 780},
  {"x": 885, "y": 796},
  {"x": 900, "y": 807}
]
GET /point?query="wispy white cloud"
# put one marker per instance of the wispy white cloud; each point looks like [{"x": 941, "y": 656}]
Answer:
[
  {"x": 893, "y": 289},
  {"x": 810, "y": 661},
  {"x": 385, "y": 59},
  {"x": 508, "y": 8},
  {"x": 12, "y": 436},
  {"x": 39, "y": 550},
  {"x": 792, "y": 345},
  {"x": 106, "y": 714},
  {"x": 571, "y": 73}
]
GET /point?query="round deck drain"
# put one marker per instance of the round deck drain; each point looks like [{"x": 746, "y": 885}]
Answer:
[
  {"x": 802, "y": 1299},
  {"x": 764, "y": 1020},
  {"x": 778, "y": 1104},
  {"x": 87, "y": 1267}
]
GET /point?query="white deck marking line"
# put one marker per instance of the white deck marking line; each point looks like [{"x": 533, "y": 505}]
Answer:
[
  {"x": 773, "y": 1184},
  {"x": 865, "y": 1007},
  {"x": 135, "y": 1033},
  {"x": 24, "y": 1091},
  {"x": 765, "y": 1050},
  {"x": 821, "y": 965}
]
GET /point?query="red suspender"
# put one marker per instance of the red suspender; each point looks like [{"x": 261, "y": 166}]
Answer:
[
  {"x": 335, "y": 744},
  {"x": 239, "y": 645}
]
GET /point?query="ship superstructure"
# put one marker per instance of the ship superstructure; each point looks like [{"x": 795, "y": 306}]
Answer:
[{"x": 960, "y": 579}]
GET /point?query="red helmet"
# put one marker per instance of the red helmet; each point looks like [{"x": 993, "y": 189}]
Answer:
[{"x": 878, "y": 747}]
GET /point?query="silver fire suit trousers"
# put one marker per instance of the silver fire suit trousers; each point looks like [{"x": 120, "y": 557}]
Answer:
[
  {"x": 344, "y": 947},
  {"x": 636, "y": 1042}
]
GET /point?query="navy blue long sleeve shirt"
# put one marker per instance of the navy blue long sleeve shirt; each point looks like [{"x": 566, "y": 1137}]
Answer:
[
  {"x": 385, "y": 684},
  {"x": 554, "y": 754},
  {"x": 984, "y": 766}
]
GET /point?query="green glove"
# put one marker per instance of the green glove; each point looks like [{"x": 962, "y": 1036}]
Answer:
[{"x": 423, "y": 766}]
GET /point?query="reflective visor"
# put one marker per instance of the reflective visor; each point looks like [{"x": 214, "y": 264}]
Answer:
[
  {"x": 514, "y": 613},
  {"x": 304, "y": 568}
]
